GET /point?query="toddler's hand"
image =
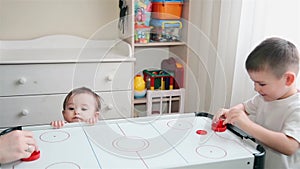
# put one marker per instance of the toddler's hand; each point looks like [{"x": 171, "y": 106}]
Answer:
[
  {"x": 92, "y": 120},
  {"x": 57, "y": 124}
]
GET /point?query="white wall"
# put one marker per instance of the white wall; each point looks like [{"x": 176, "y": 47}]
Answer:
[
  {"x": 27, "y": 19},
  {"x": 149, "y": 58}
]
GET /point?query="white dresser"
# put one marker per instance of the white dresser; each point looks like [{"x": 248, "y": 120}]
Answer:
[{"x": 36, "y": 75}]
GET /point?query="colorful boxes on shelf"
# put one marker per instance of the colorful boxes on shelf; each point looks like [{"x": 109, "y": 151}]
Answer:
[
  {"x": 141, "y": 33},
  {"x": 158, "y": 79},
  {"x": 142, "y": 12},
  {"x": 142, "y": 16},
  {"x": 165, "y": 20},
  {"x": 167, "y": 9},
  {"x": 166, "y": 30}
]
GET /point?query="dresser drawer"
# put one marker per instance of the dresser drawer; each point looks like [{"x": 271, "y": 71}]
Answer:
[
  {"x": 115, "y": 104},
  {"x": 35, "y": 79},
  {"x": 42, "y": 109},
  {"x": 31, "y": 79},
  {"x": 104, "y": 76},
  {"x": 27, "y": 110}
]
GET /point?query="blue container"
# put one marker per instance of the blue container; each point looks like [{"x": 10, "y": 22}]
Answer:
[
  {"x": 165, "y": 30},
  {"x": 166, "y": 23}
]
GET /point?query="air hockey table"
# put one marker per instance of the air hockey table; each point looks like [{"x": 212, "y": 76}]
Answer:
[{"x": 167, "y": 141}]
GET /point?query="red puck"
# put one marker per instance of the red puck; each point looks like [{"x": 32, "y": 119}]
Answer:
[
  {"x": 218, "y": 126},
  {"x": 201, "y": 132},
  {"x": 34, "y": 156}
]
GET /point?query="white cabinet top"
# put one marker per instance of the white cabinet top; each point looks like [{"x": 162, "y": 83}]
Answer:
[{"x": 64, "y": 49}]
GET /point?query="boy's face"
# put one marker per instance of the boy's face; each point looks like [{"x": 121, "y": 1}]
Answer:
[
  {"x": 269, "y": 86},
  {"x": 80, "y": 107}
]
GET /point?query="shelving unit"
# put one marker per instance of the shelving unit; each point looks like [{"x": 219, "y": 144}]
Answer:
[
  {"x": 162, "y": 102},
  {"x": 159, "y": 50},
  {"x": 144, "y": 100},
  {"x": 151, "y": 44}
]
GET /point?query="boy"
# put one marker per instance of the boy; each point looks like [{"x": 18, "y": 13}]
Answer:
[
  {"x": 273, "y": 116},
  {"x": 81, "y": 104}
]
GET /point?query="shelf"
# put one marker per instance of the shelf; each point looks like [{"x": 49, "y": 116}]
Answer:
[
  {"x": 159, "y": 44},
  {"x": 144, "y": 100}
]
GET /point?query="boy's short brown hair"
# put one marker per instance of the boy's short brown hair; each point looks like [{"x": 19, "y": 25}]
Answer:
[{"x": 274, "y": 54}]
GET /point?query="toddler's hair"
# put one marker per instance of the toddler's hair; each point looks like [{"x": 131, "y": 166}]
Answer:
[{"x": 80, "y": 91}]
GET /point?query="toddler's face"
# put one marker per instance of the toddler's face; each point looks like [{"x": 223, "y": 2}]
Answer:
[
  {"x": 80, "y": 107},
  {"x": 269, "y": 86}
]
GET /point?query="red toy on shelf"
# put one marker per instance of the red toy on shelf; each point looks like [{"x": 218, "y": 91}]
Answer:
[
  {"x": 158, "y": 79},
  {"x": 175, "y": 68}
]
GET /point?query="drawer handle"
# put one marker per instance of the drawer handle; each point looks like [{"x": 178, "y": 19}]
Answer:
[
  {"x": 25, "y": 112},
  {"x": 110, "y": 107},
  {"x": 109, "y": 77},
  {"x": 22, "y": 80}
]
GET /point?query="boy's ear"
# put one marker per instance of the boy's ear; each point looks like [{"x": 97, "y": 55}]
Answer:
[{"x": 290, "y": 78}]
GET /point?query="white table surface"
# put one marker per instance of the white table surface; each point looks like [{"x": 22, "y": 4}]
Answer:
[{"x": 167, "y": 141}]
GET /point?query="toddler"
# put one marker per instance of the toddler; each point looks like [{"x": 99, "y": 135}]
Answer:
[{"x": 80, "y": 105}]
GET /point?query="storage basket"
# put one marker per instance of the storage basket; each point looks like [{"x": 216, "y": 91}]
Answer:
[
  {"x": 167, "y": 9},
  {"x": 165, "y": 30}
]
